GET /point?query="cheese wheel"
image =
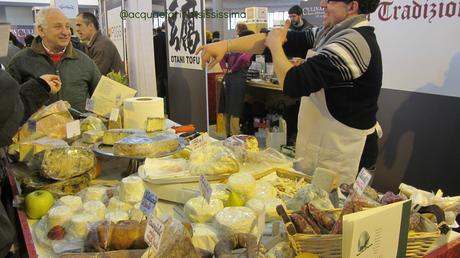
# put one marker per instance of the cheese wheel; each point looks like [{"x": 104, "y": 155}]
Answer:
[
  {"x": 71, "y": 201},
  {"x": 79, "y": 223},
  {"x": 95, "y": 194},
  {"x": 97, "y": 208},
  {"x": 116, "y": 205},
  {"x": 132, "y": 189},
  {"x": 59, "y": 216}
]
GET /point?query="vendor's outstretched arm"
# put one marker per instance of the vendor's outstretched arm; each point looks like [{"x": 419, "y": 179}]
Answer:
[{"x": 212, "y": 54}]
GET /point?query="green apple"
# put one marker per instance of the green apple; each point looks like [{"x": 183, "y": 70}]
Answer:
[{"x": 38, "y": 203}]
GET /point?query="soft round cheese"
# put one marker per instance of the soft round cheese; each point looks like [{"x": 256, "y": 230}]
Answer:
[
  {"x": 256, "y": 205},
  {"x": 198, "y": 210},
  {"x": 116, "y": 216},
  {"x": 243, "y": 184},
  {"x": 132, "y": 189},
  {"x": 95, "y": 194},
  {"x": 205, "y": 237},
  {"x": 97, "y": 208},
  {"x": 264, "y": 190},
  {"x": 79, "y": 223},
  {"x": 71, "y": 201},
  {"x": 59, "y": 216},
  {"x": 219, "y": 191},
  {"x": 116, "y": 205},
  {"x": 135, "y": 213},
  {"x": 233, "y": 220}
]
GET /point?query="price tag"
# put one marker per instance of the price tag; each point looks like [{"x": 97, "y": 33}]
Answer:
[
  {"x": 205, "y": 188},
  {"x": 363, "y": 179},
  {"x": 32, "y": 126},
  {"x": 149, "y": 201},
  {"x": 199, "y": 141},
  {"x": 73, "y": 128},
  {"x": 89, "y": 105},
  {"x": 114, "y": 114},
  {"x": 154, "y": 232}
]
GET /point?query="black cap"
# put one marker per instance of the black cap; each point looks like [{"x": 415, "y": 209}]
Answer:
[
  {"x": 368, "y": 6},
  {"x": 295, "y": 10}
]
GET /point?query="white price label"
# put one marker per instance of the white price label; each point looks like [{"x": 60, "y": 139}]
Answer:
[
  {"x": 154, "y": 232},
  {"x": 149, "y": 201},
  {"x": 363, "y": 179},
  {"x": 73, "y": 128},
  {"x": 89, "y": 105},
  {"x": 114, "y": 114},
  {"x": 205, "y": 188},
  {"x": 199, "y": 141}
]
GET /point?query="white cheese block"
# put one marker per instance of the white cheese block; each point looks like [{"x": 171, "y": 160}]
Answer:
[
  {"x": 95, "y": 194},
  {"x": 116, "y": 216},
  {"x": 132, "y": 189},
  {"x": 205, "y": 237},
  {"x": 233, "y": 220},
  {"x": 243, "y": 184},
  {"x": 71, "y": 201},
  {"x": 155, "y": 124},
  {"x": 79, "y": 224},
  {"x": 59, "y": 216},
  {"x": 116, "y": 205},
  {"x": 198, "y": 210},
  {"x": 325, "y": 179},
  {"x": 97, "y": 208},
  {"x": 92, "y": 136},
  {"x": 114, "y": 135}
]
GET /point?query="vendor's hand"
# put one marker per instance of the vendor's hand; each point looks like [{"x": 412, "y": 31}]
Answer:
[
  {"x": 53, "y": 81},
  {"x": 276, "y": 37},
  {"x": 212, "y": 53}
]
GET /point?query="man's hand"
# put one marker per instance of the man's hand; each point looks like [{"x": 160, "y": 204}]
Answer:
[
  {"x": 277, "y": 37},
  {"x": 53, "y": 81},
  {"x": 211, "y": 54}
]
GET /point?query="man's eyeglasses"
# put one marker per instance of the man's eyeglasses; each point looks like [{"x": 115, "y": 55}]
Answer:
[{"x": 343, "y": 1}]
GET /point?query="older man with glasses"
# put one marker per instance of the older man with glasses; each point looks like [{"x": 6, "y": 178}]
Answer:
[{"x": 339, "y": 83}]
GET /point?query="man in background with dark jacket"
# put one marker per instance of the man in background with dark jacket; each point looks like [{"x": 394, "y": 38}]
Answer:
[
  {"x": 100, "y": 48},
  {"x": 298, "y": 23},
  {"x": 161, "y": 67}
]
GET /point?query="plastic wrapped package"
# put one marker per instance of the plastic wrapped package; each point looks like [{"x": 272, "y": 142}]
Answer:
[
  {"x": 154, "y": 167},
  {"x": 116, "y": 216},
  {"x": 73, "y": 202},
  {"x": 243, "y": 184},
  {"x": 97, "y": 208},
  {"x": 271, "y": 156},
  {"x": 198, "y": 210},
  {"x": 64, "y": 162},
  {"x": 95, "y": 193},
  {"x": 233, "y": 220},
  {"x": 59, "y": 216},
  {"x": 205, "y": 237},
  {"x": 116, "y": 205},
  {"x": 92, "y": 123},
  {"x": 220, "y": 191},
  {"x": 53, "y": 126},
  {"x": 213, "y": 159},
  {"x": 264, "y": 190},
  {"x": 246, "y": 244},
  {"x": 270, "y": 208},
  {"x": 281, "y": 250},
  {"x": 132, "y": 189},
  {"x": 146, "y": 145},
  {"x": 29, "y": 148},
  {"x": 136, "y": 214},
  {"x": 309, "y": 194},
  {"x": 79, "y": 224},
  {"x": 57, "y": 188},
  {"x": 53, "y": 108},
  {"x": 243, "y": 146},
  {"x": 114, "y": 135}
]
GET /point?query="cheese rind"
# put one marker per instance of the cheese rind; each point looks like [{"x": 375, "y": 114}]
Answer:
[
  {"x": 114, "y": 135},
  {"x": 155, "y": 124},
  {"x": 146, "y": 145},
  {"x": 92, "y": 136}
]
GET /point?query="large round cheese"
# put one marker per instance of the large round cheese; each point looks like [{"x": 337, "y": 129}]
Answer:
[
  {"x": 243, "y": 184},
  {"x": 116, "y": 205},
  {"x": 79, "y": 224},
  {"x": 95, "y": 194},
  {"x": 71, "y": 201},
  {"x": 198, "y": 210},
  {"x": 97, "y": 208},
  {"x": 59, "y": 216},
  {"x": 132, "y": 189},
  {"x": 116, "y": 216},
  {"x": 233, "y": 220}
]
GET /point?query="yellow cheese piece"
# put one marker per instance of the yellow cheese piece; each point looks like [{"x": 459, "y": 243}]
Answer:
[
  {"x": 155, "y": 124},
  {"x": 325, "y": 179},
  {"x": 29, "y": 148},
  {"x": 114, "y": 135},
  {"x": 92, "y": 136},
  {"x": 53, "y": 126}
]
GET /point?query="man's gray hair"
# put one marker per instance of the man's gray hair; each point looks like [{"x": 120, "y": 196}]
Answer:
[{"x": 40, "y": 19}]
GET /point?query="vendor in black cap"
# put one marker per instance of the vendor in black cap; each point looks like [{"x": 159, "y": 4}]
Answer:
[{"x": 298, "y": 23}]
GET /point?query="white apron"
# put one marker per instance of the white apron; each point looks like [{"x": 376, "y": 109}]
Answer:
[{"x": 322, "y": 141}]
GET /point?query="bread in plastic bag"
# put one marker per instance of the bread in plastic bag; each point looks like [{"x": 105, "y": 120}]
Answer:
[{"x": 213, "y": 159}]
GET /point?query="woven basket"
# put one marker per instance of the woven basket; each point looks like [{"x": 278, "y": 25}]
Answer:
[{"x": 330, "y": 246}]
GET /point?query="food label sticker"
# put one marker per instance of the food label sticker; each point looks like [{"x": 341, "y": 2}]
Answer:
[
  {"x": 205, "y": 188},
  {"x": 32, "y": 125},
  {"x": 199, "y": 141},
  {"x": 89, "y": 105},
  {"x": 154, "y": 232},
  {"x": 73, "y": 128},
  {"x": 114, "y": 114},
  {"x": 149, "y": 201},
  {"x": 363, "y": 179}
]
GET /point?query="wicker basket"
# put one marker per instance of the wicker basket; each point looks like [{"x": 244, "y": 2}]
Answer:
[{"x": 418, "y": 244}]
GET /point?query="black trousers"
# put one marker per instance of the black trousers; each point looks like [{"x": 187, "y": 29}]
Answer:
[{"x": 370, "y": 152}]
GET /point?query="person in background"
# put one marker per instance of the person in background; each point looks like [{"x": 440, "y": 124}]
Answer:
[
  {"x": 12, "y": 51},
  {"x": 53, "y": 53},
  {"x": 100, "y": 48},
  {"x": 76, "y": 43},
  {"x": 231, "y": 100},
  {"x": 339, "y": 84},
  {"x": 15, "y": 41},
  {"x": 161, "y": 66},
  {"x": 28, "y": 40},
  {"x": 239, "y": 28},
  {"x": 215, "y": 36},
  {"x": 208, "y": 37},
  {"x": 298, "y": 23}
]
